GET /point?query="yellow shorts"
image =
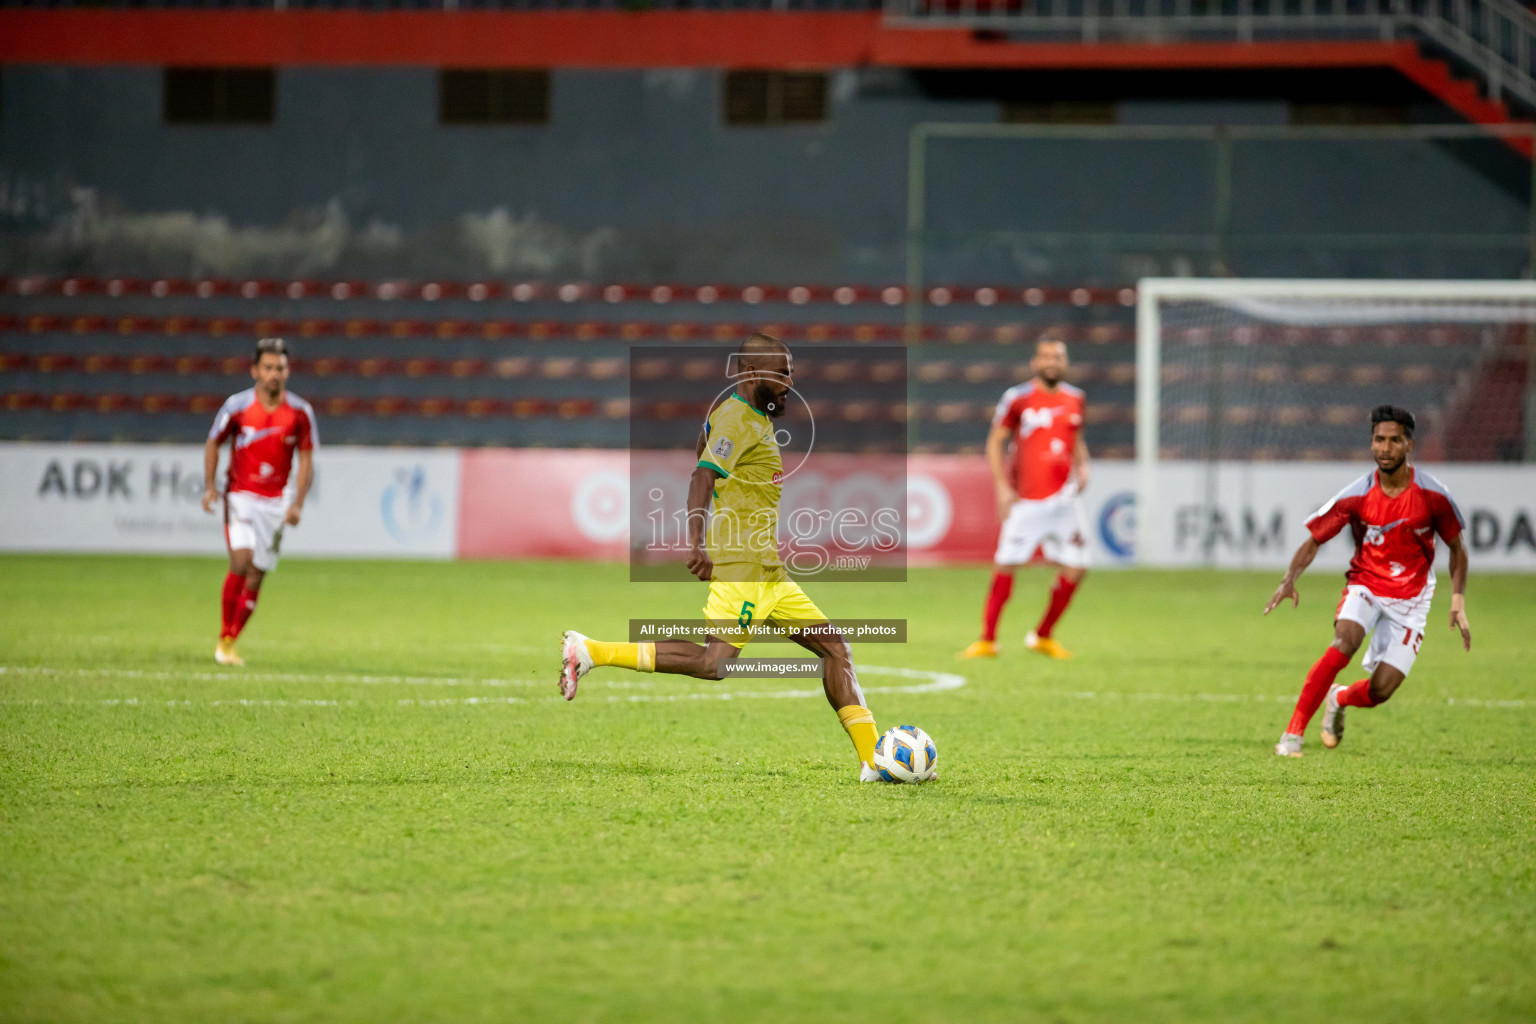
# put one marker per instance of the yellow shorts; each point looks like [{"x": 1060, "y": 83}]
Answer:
[{"x": 736, "y": 609}]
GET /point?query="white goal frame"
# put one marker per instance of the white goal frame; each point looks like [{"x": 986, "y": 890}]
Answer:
[{"x": 1153, "y": 290}]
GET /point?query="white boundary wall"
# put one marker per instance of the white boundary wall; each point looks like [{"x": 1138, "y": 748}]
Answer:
[
  {"x": 421, "y": 503},
  {"x": 367, "y": 502}
]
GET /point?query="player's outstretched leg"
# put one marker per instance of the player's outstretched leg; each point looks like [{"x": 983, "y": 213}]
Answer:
[
  {"x": 1365, "y": 693},
  {"x": 1347, "y": 636},
  {"x": 1039, "y": 639},
  {"x": 997, "y": 597},
  {"x": 580, "y": 654},
  {"x": 841, "y": 684}
]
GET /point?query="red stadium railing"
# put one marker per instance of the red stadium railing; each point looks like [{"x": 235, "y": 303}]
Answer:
[
  {"x": 1120, "y": 372},
  {"x": 568, "y": 292},
  {"x": 542, "y": 330},
  {"x": 621, "y": 409},
  {"x": 517, "y": 408}
]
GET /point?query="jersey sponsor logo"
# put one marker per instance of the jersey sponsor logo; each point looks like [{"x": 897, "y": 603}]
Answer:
[
  {"x": 1376, "y": 536},
  {"x": 250, "y": 435},
  {"x": 1036, "y": 419},
  {"x": 778, "y": 478},
  {"x": 1397, "y": 568},
  {"x": 723, "y": 448}
]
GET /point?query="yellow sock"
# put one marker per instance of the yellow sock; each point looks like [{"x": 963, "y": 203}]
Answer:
[
  {"x": 640, "y": 657},
  {"x": 859, "y": 723}
]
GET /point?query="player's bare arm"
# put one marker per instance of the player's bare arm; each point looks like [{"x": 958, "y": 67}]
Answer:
[
  {"x": 700, "y": 486},
  {"x": 1458, "y": 552},
  {"x": 997, "y": 459},
  {"x": 306, "y": 478},
  {"x": 301, "y": 489},
  {"x": 210, "y": 470},
  {"x": 1081, "y": 467},
  {"x": 1287, "y": 588}
]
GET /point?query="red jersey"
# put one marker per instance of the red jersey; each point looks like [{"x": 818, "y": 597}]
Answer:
[
  {"x": 1394, "y": 537},
  {"x": 264, "y": 442},
  {"x": 1045, "y": 426}
]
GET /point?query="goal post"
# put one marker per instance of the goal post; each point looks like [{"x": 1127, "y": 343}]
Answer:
[{"x": 1245, "y": 387}]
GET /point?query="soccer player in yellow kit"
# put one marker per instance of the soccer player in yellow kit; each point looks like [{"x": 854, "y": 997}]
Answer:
[{"x": 740, "y": 467}]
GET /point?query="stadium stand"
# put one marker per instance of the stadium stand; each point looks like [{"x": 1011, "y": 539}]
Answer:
[
  {"x": 493, "y": 361},
  {"x": 152, "y": 361}
]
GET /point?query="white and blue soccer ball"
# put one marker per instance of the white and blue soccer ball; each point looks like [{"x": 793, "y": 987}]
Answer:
[{"x": 906, "y": 754}]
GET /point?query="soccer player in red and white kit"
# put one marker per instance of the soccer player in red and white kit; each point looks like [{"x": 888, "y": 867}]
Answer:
[
  {"x": 266, "y": 425},
  {"x": 1037, "y": 499},
  {"x": 1394, "y": 514}
]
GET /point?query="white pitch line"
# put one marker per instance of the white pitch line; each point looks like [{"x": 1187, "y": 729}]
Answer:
[
  {"x": 1217, "y": 698},
  {"x": 240, "y": 702},
  {"x": 271, "y": 677},
  {"x": 936, "y": 682},
  {"x": 1238, "y": 698},
  {"x": 1474, "y": 702}
]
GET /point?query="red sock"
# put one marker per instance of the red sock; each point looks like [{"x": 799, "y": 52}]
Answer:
[
  {"x": 1316, "y": 688},
  {"x": 1002, "y": 589},
  {"x": 233, "y": 583},
  {"x": 1357, "y": 695},
  {"x": 245, "y": 604},
  {"x": 1061, "y": 596}
]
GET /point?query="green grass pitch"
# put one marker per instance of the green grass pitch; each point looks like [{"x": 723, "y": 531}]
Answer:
[{"x": 390, "y": 815}]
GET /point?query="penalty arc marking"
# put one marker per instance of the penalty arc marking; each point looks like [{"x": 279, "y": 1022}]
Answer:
[{"x": 923, "y": 681}]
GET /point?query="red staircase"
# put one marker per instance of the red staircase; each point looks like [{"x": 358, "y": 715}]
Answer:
[{"x": 1435, "y": 77}]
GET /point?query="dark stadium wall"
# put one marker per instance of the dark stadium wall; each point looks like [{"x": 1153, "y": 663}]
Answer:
[
  {"x": 634, "y": 175},
  {"x": 637, "y": 177}
]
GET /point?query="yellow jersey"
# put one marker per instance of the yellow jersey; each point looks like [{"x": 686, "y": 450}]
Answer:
[{"x": 740, "y": 447}]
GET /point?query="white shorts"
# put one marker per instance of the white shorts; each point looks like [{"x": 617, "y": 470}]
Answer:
[
  {"x": 255, "y": 523},
  {"x": 1396, "y": 624},
  {"x": 1056, "y": 525}
]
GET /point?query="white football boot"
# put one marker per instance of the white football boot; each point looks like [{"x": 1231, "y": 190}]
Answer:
[
  {"x": 575, "y": 662},
  {"x": 1289, "y": 745},
  {"x": 225, "y": 653},
  {"x": 1333, "y": 717},
  {"x": 868, "y": 774}
]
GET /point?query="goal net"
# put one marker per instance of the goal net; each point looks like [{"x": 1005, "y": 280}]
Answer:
[{"x": 1247, "y": 388}]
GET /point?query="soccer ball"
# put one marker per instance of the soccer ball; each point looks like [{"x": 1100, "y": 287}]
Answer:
[{"x": 906, "y": 754}]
